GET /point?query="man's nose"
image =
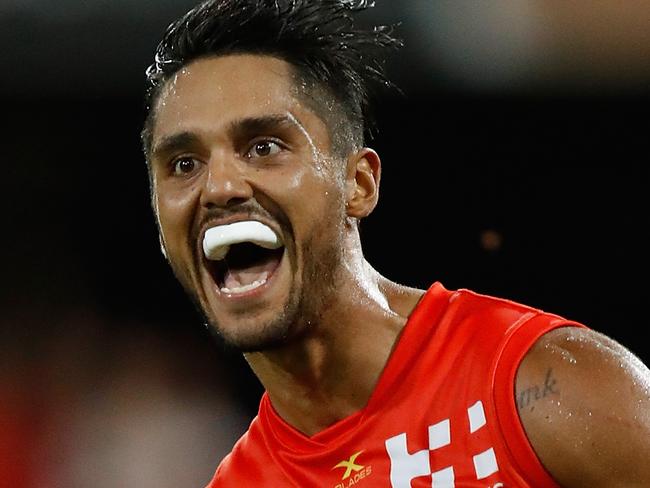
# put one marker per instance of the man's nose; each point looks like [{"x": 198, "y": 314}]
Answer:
[{"x": 226, "y": 183}]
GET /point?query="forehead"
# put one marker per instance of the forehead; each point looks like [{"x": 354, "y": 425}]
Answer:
[{"x": 217, "y": 90}]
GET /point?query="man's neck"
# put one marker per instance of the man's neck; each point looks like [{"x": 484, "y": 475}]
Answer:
[{"x": 331, "y": 373}]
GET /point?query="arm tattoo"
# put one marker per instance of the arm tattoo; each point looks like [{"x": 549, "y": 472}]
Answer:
[{"x": 536, "y": 392}]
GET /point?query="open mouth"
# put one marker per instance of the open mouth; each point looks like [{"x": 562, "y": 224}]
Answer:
[
  {"x": 245, "y": 267},
  {"x": 242, "y": 256}
]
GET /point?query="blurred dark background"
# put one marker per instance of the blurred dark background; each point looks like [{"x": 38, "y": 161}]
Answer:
[{"x": 514, "y": 165}]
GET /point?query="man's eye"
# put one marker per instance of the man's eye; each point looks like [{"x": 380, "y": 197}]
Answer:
[
  {"x": 263, "y": 148},
  {"x": 184, "y": 166}
]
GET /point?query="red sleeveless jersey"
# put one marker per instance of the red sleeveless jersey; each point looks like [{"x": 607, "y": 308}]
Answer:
[{"x": 443, "y": 413}]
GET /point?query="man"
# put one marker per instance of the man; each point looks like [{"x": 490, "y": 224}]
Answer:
[{"x": 259, "y": 178}]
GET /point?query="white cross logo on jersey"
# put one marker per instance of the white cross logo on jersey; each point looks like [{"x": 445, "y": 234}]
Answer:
[{"x": 404, "y": 466}]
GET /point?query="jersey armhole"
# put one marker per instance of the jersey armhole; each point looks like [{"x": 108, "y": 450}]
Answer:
[{"x": 514, "y": 436}]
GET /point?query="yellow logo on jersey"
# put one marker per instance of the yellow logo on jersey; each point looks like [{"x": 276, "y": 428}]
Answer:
[{"x": 350, "y": 465}]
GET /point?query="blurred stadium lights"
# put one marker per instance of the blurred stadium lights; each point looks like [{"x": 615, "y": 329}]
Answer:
[
  {"x": 102, "y": 47},
  {"x": 508, "y": 43},
  {"x": 479, "y": 43}
]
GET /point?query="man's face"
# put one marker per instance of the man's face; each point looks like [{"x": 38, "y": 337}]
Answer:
[{"x": 232, "y": 142}]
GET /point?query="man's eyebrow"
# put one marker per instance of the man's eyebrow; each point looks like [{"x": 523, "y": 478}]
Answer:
[
  {"x": 241, "y": 127},
  {"x": 174, "y": 142},
  {"x": 260, "y": 125}
]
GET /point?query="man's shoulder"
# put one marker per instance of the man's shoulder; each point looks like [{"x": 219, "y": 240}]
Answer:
[
  {"x": 467, "y": 301},
  {"x": 470, "y": 306},
  {"x": 478, "y": 301},
  {"x": 583, "y": 401}
]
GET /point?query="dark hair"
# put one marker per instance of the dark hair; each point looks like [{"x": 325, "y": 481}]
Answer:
[{"x": 335, "y": 61}]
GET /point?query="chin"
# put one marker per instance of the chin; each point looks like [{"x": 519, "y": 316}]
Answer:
[
  {"x": 258, "y": 328},
  {"x": 255, "y": 335}
]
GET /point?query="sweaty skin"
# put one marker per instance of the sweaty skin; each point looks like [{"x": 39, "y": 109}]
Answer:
[
  {"x": 584, "y": 402},
  {"x": 233, "y": 140},
  {"x": 326, "y": 296}
]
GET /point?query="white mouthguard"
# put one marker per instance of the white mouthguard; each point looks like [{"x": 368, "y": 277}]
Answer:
[{"x": 217, "y": 240}]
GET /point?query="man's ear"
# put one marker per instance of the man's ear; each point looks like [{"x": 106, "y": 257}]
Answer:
[{"x": 362, "y": 182}]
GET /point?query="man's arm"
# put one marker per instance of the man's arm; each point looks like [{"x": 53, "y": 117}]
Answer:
[{"x": 584, "y": 401}]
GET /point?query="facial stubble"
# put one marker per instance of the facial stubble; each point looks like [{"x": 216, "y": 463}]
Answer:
[{"x": 301, "y": 312}]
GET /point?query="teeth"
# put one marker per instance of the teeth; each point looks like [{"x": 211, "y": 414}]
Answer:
[
  {"x": 217, "y": 240},
  {"x": 243, "y": 289}
]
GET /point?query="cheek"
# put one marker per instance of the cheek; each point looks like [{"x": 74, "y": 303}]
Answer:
[
  {"x": 313, "y": 198},
  {"x": 304, "y": 193},
  {"x": 294, "y": 181},
  {"x": 174, "y": 211}
]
